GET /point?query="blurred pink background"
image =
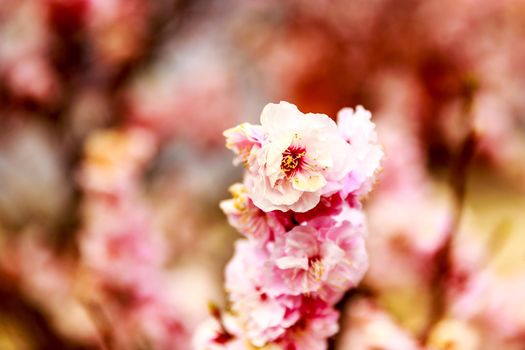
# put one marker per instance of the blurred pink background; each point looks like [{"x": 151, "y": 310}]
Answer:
[{"x": 112, "y": 162}]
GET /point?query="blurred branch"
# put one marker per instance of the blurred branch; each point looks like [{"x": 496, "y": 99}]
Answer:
[
  {"x": 102, "y": 324},
  {"x": 168, "y": 17},
  {"x": 459, "y": 169}
]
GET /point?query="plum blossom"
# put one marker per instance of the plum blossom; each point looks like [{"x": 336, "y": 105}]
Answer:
[
  {"x": 300, "y": 208},
  {"x": 242, "y": 139},
  {"x": 247, "y": 218},
  {"x": 292, "y": 159},
  {"x": 327, "y": 207},
  {"x": 264, "y": 318},
  {"x": 318, "y": 323},
  {"x": 322, "y": 260},
  {"x": 359, "y": 131}
]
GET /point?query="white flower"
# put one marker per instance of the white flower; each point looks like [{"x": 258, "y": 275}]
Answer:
[{"x": 292, "y": 158}]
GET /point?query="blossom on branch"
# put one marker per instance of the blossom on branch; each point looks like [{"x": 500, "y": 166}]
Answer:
[{"x": 299, "y": 208}]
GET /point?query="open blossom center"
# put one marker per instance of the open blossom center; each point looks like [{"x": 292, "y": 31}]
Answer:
[
  {"x": 315, "y": 267},
  {"x": 293, "y": 160}
]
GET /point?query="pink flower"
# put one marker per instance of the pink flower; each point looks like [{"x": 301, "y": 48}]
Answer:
[
  {"x": 332, "y": 210},
  {"x": 318, "y": 322},
  {"x": 292, "y": 158},
  {"x": 263, "y": 318},
  {"x": 300, "y": 207},
  {"x": 247, "y": 218},
  {"x": 119, "y": 243},
  {"x": 327, "y": 206},
  {"x": 323, "y": 260},
  {"x": 359, "y": 131},
  {"x": 245, "y": 140},
  {"x": 122, "y": 250}
]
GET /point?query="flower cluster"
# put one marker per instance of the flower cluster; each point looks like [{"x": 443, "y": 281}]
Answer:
[
  {"x": 122, "y": 251},
  {"x": 299, "y": 208}
]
